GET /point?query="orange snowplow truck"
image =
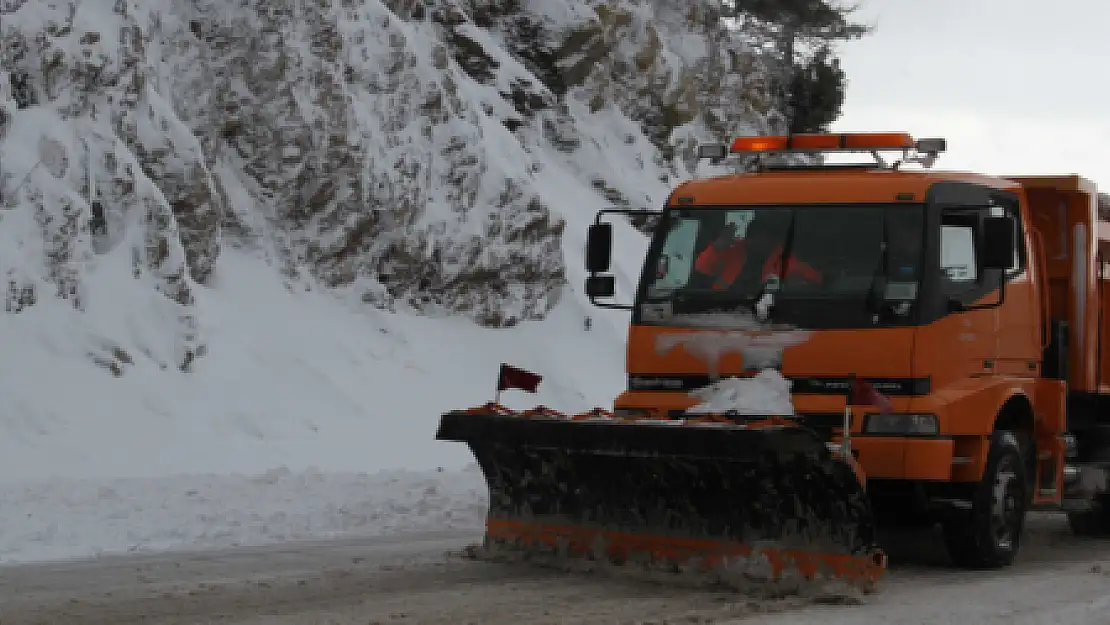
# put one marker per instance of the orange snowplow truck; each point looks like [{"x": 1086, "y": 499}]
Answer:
[{"x": 973, "y": 304}]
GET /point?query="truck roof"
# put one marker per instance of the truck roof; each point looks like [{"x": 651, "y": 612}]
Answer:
[{"x": 848, "y": 184}]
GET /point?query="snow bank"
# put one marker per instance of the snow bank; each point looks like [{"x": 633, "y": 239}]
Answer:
[
  {"x": 292, "y": 379},
  {"x": 61, "y": 519}
]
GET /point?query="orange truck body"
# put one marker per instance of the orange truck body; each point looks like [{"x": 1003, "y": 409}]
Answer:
[{"x": 1010, "y": 366}]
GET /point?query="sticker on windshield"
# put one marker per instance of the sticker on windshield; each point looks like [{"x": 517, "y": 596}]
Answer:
[
  {"x": 663, "y": 268},
  {"x": 900, "y": 291}
]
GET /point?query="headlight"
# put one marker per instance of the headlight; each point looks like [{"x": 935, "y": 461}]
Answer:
[{"x": 903, "y": 424}]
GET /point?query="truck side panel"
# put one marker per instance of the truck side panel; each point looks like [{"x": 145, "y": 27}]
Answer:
[
  {"x": 1064, "y": 211},
  {"x": 1066, "y": 222}
]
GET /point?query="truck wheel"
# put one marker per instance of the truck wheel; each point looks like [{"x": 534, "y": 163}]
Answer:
[
  {"x": 1093, "y": 522},
  {"x": 988, "y": 536}
]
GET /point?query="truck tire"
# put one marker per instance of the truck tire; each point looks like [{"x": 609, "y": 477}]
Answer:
[{"x": 988, "y": 536}]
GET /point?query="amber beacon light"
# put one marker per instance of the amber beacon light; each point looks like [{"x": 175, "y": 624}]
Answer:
[{"x": 825, "y": 142}]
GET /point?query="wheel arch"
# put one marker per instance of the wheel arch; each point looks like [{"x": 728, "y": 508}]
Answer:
[{"x": 1015, "y": 414}]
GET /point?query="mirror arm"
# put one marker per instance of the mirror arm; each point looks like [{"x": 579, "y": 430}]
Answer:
[{"x": 611, "y": 306}]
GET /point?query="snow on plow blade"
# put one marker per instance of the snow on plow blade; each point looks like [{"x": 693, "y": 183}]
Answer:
[{"x": 766, "y": 502}]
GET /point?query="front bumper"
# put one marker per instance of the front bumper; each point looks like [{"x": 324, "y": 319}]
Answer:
[
  {"x": 905, "y": 457},
  {"x": 921, "y": 458}
]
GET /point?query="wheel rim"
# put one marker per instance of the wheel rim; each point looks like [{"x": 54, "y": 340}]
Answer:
[{"x": 1005, "y": 505}]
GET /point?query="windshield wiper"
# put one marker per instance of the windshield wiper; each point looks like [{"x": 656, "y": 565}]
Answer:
[
  {"x": 787, "y": 247},
  {"x": 872, "y": 301},
  {"x": 784, "y": 256}
]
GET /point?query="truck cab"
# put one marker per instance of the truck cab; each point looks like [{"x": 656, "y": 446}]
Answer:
[{"x": 972, "y": 302}]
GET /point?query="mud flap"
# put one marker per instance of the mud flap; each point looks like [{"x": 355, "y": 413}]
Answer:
[{"x": 670, "y": 494}]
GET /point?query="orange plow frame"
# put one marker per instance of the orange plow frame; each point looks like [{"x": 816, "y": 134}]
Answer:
[{"x": 707, "y": 554}]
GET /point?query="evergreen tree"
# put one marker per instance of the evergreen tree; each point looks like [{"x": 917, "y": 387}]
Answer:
[
  {"x": 816, "y": 93},
  {"x": 802, "y": 34}
]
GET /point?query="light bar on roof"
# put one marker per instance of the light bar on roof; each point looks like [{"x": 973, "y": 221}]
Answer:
[{"x": 833, "y": 142}]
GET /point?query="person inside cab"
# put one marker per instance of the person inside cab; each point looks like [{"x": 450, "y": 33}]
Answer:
[
  {"x": 744, "y": 264},
  {"x": 904, "y": 254}
]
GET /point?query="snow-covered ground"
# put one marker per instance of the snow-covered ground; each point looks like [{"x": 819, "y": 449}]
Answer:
[
  {"x": 62, "y": 519},
  {"x": 301, "y": 401},
  {"x": 306, "y": 398},
  {"x": 294, "y": 380}
]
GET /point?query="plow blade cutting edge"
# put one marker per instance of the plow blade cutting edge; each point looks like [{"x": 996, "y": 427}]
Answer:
[{"x": 764, "y": 502}]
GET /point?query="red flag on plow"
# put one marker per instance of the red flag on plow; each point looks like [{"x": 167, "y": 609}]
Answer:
[
  {"x": 513, "y": 377},
  {"x": 863, "y": 393},
  {"x": 860, "y": 393}
]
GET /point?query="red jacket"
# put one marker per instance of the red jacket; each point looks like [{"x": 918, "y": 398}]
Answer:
[{"x": 726, "y": 264}]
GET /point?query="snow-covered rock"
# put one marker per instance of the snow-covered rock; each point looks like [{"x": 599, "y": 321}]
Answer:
[{"x": 391, "y": 148}]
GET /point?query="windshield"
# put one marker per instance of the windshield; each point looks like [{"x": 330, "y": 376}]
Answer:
[{"x": 824, "y": 266}]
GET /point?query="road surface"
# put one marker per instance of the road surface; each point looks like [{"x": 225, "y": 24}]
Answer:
[{"x": 415, "y": 579}]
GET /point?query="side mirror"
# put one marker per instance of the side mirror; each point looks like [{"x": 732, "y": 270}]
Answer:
[
  {"x": 599, "y": 247},
  {"x": 998, "y": 243},
  {"x": 601, "y": 286}
]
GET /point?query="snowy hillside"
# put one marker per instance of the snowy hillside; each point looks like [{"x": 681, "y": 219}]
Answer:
[{"x": 239, "y": 236}]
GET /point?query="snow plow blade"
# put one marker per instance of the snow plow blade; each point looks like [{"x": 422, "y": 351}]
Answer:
[{"x": 763, "y": 501}]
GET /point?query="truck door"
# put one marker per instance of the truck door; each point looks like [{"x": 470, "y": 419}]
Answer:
[
  {"x": 974, "y": 348},
  {"x": 1020, "y": 329}
]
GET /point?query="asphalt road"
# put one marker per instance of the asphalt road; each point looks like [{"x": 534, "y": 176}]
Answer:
[{"x": 422, "y": 579}]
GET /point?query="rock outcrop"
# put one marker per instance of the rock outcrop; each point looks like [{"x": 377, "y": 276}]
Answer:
[{"x": 387, "y": 148}]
